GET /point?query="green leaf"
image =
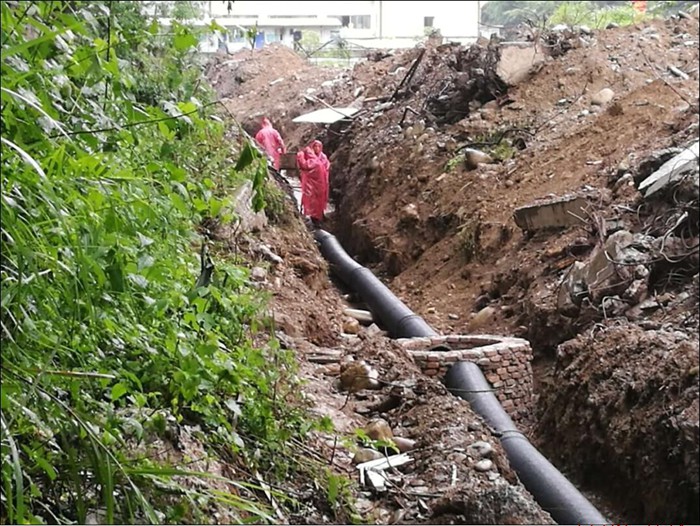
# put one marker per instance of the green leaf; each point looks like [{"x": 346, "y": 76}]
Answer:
[
  {"x": 185, "y": 41},
  {"x": 118, "y": 391},
  {"x": 48, "y": 468},
  {"x": 248, "y": 155}
]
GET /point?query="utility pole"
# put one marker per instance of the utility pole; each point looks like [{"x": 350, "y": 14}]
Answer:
[
  {"x": 478, "y": 19},
  {"x": 381, "y": 34}
]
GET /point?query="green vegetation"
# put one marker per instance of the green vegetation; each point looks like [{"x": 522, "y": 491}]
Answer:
[
  {"x": 452, "y": 163},
  {"x": 595, "y": 14},
  {"x": 115, "y": 334}
]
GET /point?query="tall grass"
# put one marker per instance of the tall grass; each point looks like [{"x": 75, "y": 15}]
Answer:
[{"x": 111, "y": 157}]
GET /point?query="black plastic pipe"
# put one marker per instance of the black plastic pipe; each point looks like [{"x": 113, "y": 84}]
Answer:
[
  {"x": 552, "y": 491},
  {"x": 400, "y": 321}
]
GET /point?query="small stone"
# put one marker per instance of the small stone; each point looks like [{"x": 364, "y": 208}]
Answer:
[
  {"x": 483, "y": 465},
  {"x": 431, "y": 310},
  {"x": 404, "y": 444},
  {"x": 602, "y": 97},
  {"x": 473, "y": 158},
  {"x": 453, "y": 316},
  {"x": 258, "y": 274},
  {"x": 410, "y": 213},
  {"x": 379, "y": 430},
  {"x": 351, "y": 326},
  {"x": 365, "y": 455},
  {"x": 482, "y": 317},
  {"x": 481, "y": 448}
]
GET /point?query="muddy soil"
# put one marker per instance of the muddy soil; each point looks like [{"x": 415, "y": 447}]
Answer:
[
  {"x": 444, "y": 483},
  {"x": 616, "y": 380}
]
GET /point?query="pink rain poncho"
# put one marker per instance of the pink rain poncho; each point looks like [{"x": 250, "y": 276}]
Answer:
[
  {"x": 314, "y": 187},
  {"x": 317, "y": 147},
  {"x": 271, "y": 141}
]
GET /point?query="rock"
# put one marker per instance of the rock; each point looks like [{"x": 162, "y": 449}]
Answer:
[
  {"x": 286, "y": 324},
  {"x": 418, "y": 128},
  {"x": 360, "y": 315},
  {"x": 269, "y": 254},
  {"x": 258, "y": 274},
  {"x": 351, "y": 326},
  {"x": 481, "y": 448},
  {"x": 481, "y": 302},
  {"x": 453, "y": 316},
  {"x": 431, "y": 310},
  {"x": 482, "y": 317},
  {"x": 602, "y": 97},
  {"x": 625, "y": 180},
  {"x": 356, "y": 376},
  {"x": 483, "y": 465},
  {"x": 249, "y": 220},
  {"x": 365, "y": 455},
  {"x": 637, "y": 291},
  {"x": 372, "y": 331},
  {"x": 379, "y": 429},
  {"x": 613, "y": 306},
  {"x": 409, "y": 213},
  {"x": 572, "y": 291},
  {"x": 473, "y": 158},
  {"x": 404, "y": 444},
  {"x": 374, "y": 163}
]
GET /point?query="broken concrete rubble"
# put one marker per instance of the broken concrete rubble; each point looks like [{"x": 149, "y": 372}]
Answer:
[
  {"x": 610, "y": 271},
  {"x": 554, "y": 213},
  {"x": 673, "y": 170}
]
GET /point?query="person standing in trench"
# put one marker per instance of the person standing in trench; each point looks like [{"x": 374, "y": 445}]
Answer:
[
  {"x": 314, "y": 170},
  {"x": 271, "y": 141}
]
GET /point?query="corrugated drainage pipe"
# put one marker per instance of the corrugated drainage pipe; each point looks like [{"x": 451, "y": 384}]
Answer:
[{"x": 553, "y": 492}]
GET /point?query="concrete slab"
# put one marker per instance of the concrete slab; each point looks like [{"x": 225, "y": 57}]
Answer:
[{"x": 555, "y": 213}]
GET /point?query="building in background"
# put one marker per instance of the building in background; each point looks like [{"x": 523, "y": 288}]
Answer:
[{"x": 366, "y": 23}]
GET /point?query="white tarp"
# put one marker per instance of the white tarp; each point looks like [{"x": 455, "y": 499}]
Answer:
[{"x": 327, "y": 115}]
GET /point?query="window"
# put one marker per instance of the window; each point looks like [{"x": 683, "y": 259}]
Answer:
[
  {"x": 361, "y": 21},
  {"x": 428, "y": 21},
  {"x": 356, "y": 21}
]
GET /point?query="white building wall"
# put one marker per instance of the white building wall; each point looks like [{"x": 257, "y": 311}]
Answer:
[
  {"x": 407, "y": 19},
  {"x": 386, "y": 19}
]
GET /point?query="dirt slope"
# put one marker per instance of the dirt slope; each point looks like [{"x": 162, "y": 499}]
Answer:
[{"x": 617, "y": 376}]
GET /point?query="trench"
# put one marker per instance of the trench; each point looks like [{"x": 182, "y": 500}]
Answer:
[{"x": 549, "y": 487}]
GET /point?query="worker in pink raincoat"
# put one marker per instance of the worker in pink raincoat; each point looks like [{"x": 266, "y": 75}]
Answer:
[
  {"x": 317, "y": 147},
  {"x": 313, "y": 184},
  {"x": 271, "y": 141}
]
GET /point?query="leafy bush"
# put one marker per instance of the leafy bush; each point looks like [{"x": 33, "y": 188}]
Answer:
[
  {"x": 593, "y": 16},
  {"x": 112, "y": 328}
]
